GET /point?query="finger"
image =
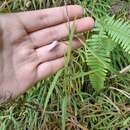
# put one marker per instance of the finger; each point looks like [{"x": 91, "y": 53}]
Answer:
[
  {"x": 56, "y": 50},
  {"x": 48, "y": 68},
  {"x": 46, "y": 36},
  {"x": 35, "y": 20}
]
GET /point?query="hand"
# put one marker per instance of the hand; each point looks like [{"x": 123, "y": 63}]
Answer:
[{"x": 26, "y": 52}]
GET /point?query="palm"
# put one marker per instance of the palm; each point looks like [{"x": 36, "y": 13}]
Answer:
[
  {"x": 26, "y": 52},
  {"x": 18, "y": 58}
]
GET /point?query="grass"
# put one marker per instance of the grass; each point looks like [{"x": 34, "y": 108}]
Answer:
[{"x": 67, "y": 101}]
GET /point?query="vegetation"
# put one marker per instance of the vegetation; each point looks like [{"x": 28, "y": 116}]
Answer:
[{"x": 92, "y": 92}]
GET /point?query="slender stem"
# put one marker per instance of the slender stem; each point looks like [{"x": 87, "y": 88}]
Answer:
[{"x": 125, "y": 70}]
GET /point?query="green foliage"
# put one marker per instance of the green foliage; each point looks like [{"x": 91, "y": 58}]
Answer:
[
  {"x": 107, "y": 35},
  {"x": 64, "y": 112},
  {"x": 119, "y": 31},
  {"x": 98, "y": 60},
  {"x": 67, "y": 100}
]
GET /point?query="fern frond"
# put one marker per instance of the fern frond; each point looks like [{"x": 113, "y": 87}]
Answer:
[
  {"x": 107, "y": 35},
  {"x": 98, "y": 59},
  {"x": 119, "y": 31}
]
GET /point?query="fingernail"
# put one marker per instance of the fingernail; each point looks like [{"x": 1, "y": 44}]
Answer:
[{"x": 84, "y": 10}]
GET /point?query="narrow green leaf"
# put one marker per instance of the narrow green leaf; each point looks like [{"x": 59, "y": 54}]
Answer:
[
  {"x": 52, "y": 88},
  {"x": 64, "y": 112}
]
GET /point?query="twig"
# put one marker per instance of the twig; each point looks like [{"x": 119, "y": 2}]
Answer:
[
  {"x": 67, "y": 14},
  {"x": 76, "y": 123},
  {"x": 123, "y": 72}
]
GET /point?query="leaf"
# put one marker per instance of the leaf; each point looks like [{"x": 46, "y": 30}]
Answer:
[
  {"x": 98, "y": 58},
  {"x": 64, "y": 112},
  {"x": 119, "y": 31},
  {"x": 52, "y": 88}
]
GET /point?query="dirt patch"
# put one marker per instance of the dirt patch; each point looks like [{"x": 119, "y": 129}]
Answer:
[{"x": 121, "y": 7}]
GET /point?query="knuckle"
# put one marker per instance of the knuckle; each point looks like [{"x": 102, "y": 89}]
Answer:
[
  {"x": 44, "y": 19},
  {"x": 32, "y": 39},
  {"x": 53, "y": 33},
  {"x": 39, "y": 57},
  {"x": 23, "y": 51}
]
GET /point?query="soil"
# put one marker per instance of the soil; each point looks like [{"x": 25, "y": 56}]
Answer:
[{"x": 121, "y": 7}]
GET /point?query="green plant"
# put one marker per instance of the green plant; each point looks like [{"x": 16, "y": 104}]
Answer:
[
  {"x": 67, "y": 100},
  {"x": 107, "y": 35}
]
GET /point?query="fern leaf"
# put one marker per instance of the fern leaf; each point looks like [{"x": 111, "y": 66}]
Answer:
[
  {"x": 119, "y": 31},
  {"x": 108, "y": 33},
  {"x": 98, "y": 60}
]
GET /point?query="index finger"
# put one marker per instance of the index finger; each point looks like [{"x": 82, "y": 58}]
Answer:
[{"x": 36, "y": 20}]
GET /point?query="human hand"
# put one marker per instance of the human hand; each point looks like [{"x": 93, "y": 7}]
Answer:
[{"x": 26, "y": 52}]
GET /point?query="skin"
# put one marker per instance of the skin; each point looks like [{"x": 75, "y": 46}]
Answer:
[{"x": 27, "y": 53}]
